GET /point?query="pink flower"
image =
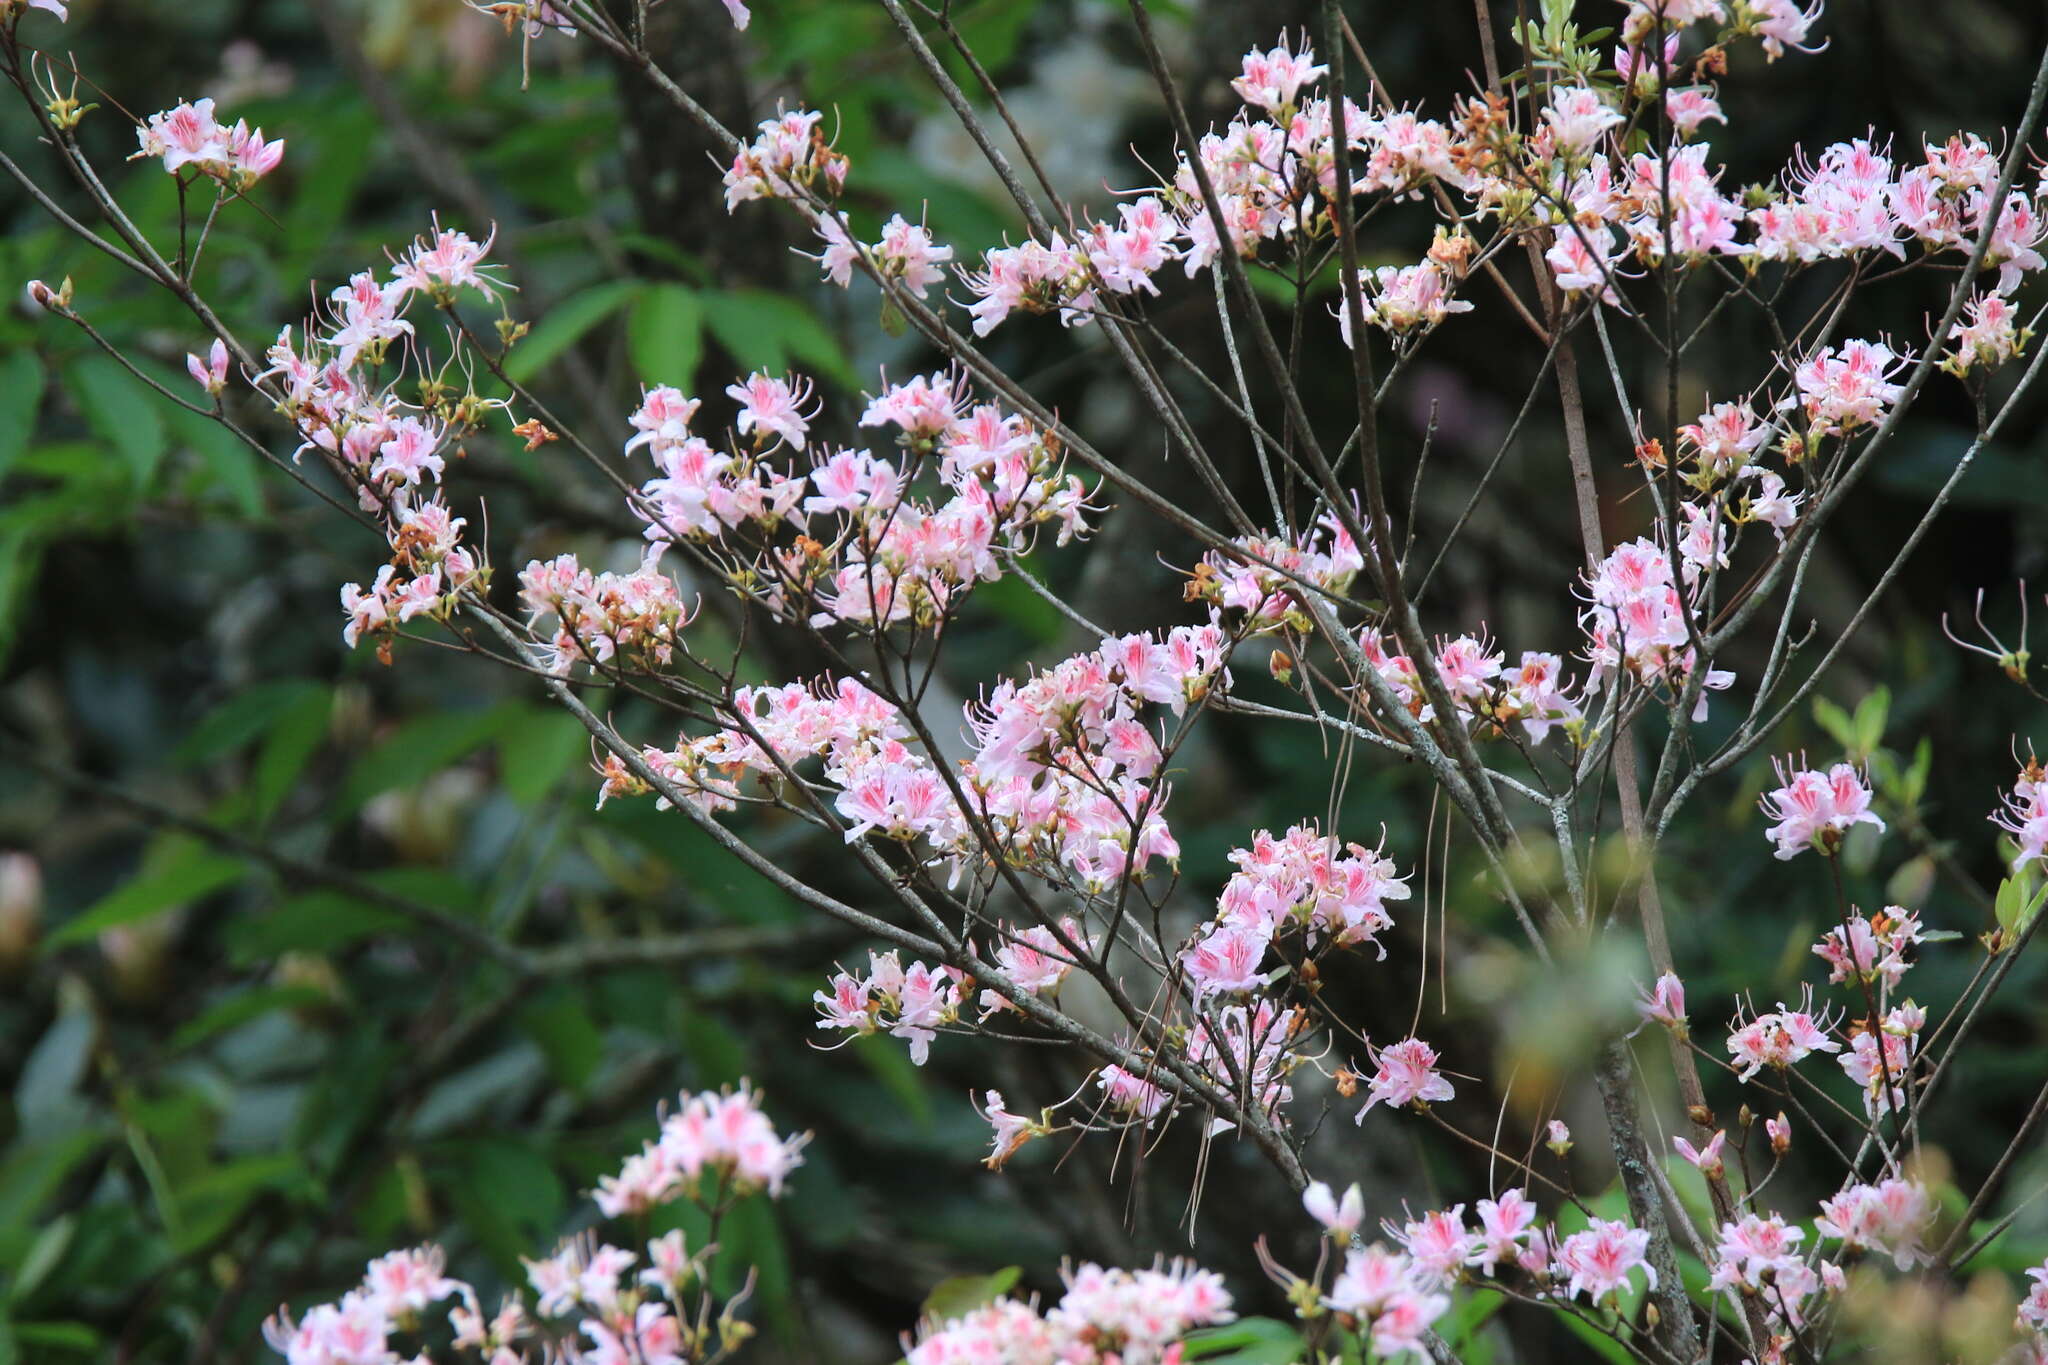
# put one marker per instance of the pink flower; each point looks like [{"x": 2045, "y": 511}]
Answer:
[
  {"x": 1582, "y": 259},
  {"x": 1707, "y": 1158},
  {"x": 741, "y": 16},
  {"x": 1778, "y": 1040},
  {"x": 1577, "y": 117},
  {"x": 1782, "y": 24},
  {"x": 1372, "y": 1277},
  {"x": 1130, "y": 1093},
  {"x": 407, "y": 1281},
  {"x": 1889, "y": 1217},
  {"x": 1504, "y": 1226},
  {"x": 1011, "y": 1131},
  {"x": 1753, "y": 1249},
  {"x": 1771, "y": 504},
  {"x": 2024, "y": 815},
  {"x": 449, "y": 262},
  {"x": 211, "y": 373},
  {"x": 1688, "y": 109},
  {"x": 1664, "y": 1003},
  {"x": 1841, "y": 389},
  {"x": 1227, "y": 961},
  {"x": 368, "y": 612},
  {"x": 1873, "y": 950},
  {"x": 1272, "y": 80},
  {"x": 1339, "y": 1218},
  {"x": 1815, "y": 811},
  {"x": 1724, "y": 437},
  {"x": 1988, "y": 334},
  {"x": 351, "y": 1332},
  {"x": 1599, "y": 1260},
  {"x": 2034, "y": 1308},
  {"x": 773, "y": 406},
  {"x": 907, "y": 252},
  {"x": 1407, "y": 1075},
  {"x": 410, "y": 456},
  {"x": 1403, "y": 1324}
]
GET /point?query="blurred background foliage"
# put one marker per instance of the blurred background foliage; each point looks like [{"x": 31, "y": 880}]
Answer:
[{"x": 255, "y": 1020}]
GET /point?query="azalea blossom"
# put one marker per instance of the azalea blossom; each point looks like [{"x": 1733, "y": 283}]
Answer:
[
  {"x": 1407, "y": 1075},
  {"x": 1815, "y": 810}
]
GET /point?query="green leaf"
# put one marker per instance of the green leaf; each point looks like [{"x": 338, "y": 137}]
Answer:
[
  {"x": 904, "y": 1079},
  {"x": 1019, "y": 606},
  {"x": 239, "y": 1009},
  {"x": 43, "y": 1256},
  {"x": 1835, "y": 721},
  {"x": 120, "y": 411},
  {"x": 211, "y": 1202},
  {"x": 50, "y": 1076},
  {"x": 317, "y": 922},
  {"x": 419, "y": 749},
  {"x": 332, "y": 155},
  {"x": 21, "y": 393},
  {"x": 1248, "y": 1341},
  {"x": 765, "y": 331},
  {"x": 186, "y": 875},
  {"x": 2017, "y": 904},
  {"x": 537, "y": 749},
  {"x": 294, "y": 738},
  {"x": 235, "y": 723},
  {"x": 1604, "y": 1346},
  {"x": 32, "y": 1171},
  {"x": 231, "y": 466},
  {"x": 565, "y": 325},
  {"x": 665, "y": 335},
  {"x": 562, "y": 1027},
  {"x": 506, "y": 1193},
  {"x": 962, "y": 1294},
  {"x": 1871, "y": 714},
  {"x": 58, "y": 1336}
]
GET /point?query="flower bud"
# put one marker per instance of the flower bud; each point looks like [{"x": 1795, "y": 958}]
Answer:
[
  {"x": 56, "y": 300},
  {"x": 137, "y": 955},
  {"x": 1700, "y": 1114},
  {"x": 21, "y": 911},
  {"x": 1560, "y": 1140}
]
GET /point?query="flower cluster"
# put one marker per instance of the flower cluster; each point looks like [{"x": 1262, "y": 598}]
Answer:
[
  {"x": 1263, "y": 577},
  {"x": 1760, "y": 1256},
  {"x": 1816, "y": 810},
  {"x": 789, "y": 159},
  {"x": 1639, "y": 623},
  {"x": 597, "y": 618},
  {"x": 910, "y": 1003},
  {"x": 1888, "y": 1217},
  {"x": 1484, "y": 689},
  {"x": 1105, "y": 1317},
  {"x": 1779, "y": 1039},
  {"x": 189, "y": 135},
  {"x": 1300, "y": 880},
  {"x": 2024, "y": 815},
  {"x": 588, "y": 1304},
  {"x": 723, "y": 1136},
  {"x": 1843, "y": 388},
  {"x": 867, "y": 547},
  {"x": 1870, "y": 950}
]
